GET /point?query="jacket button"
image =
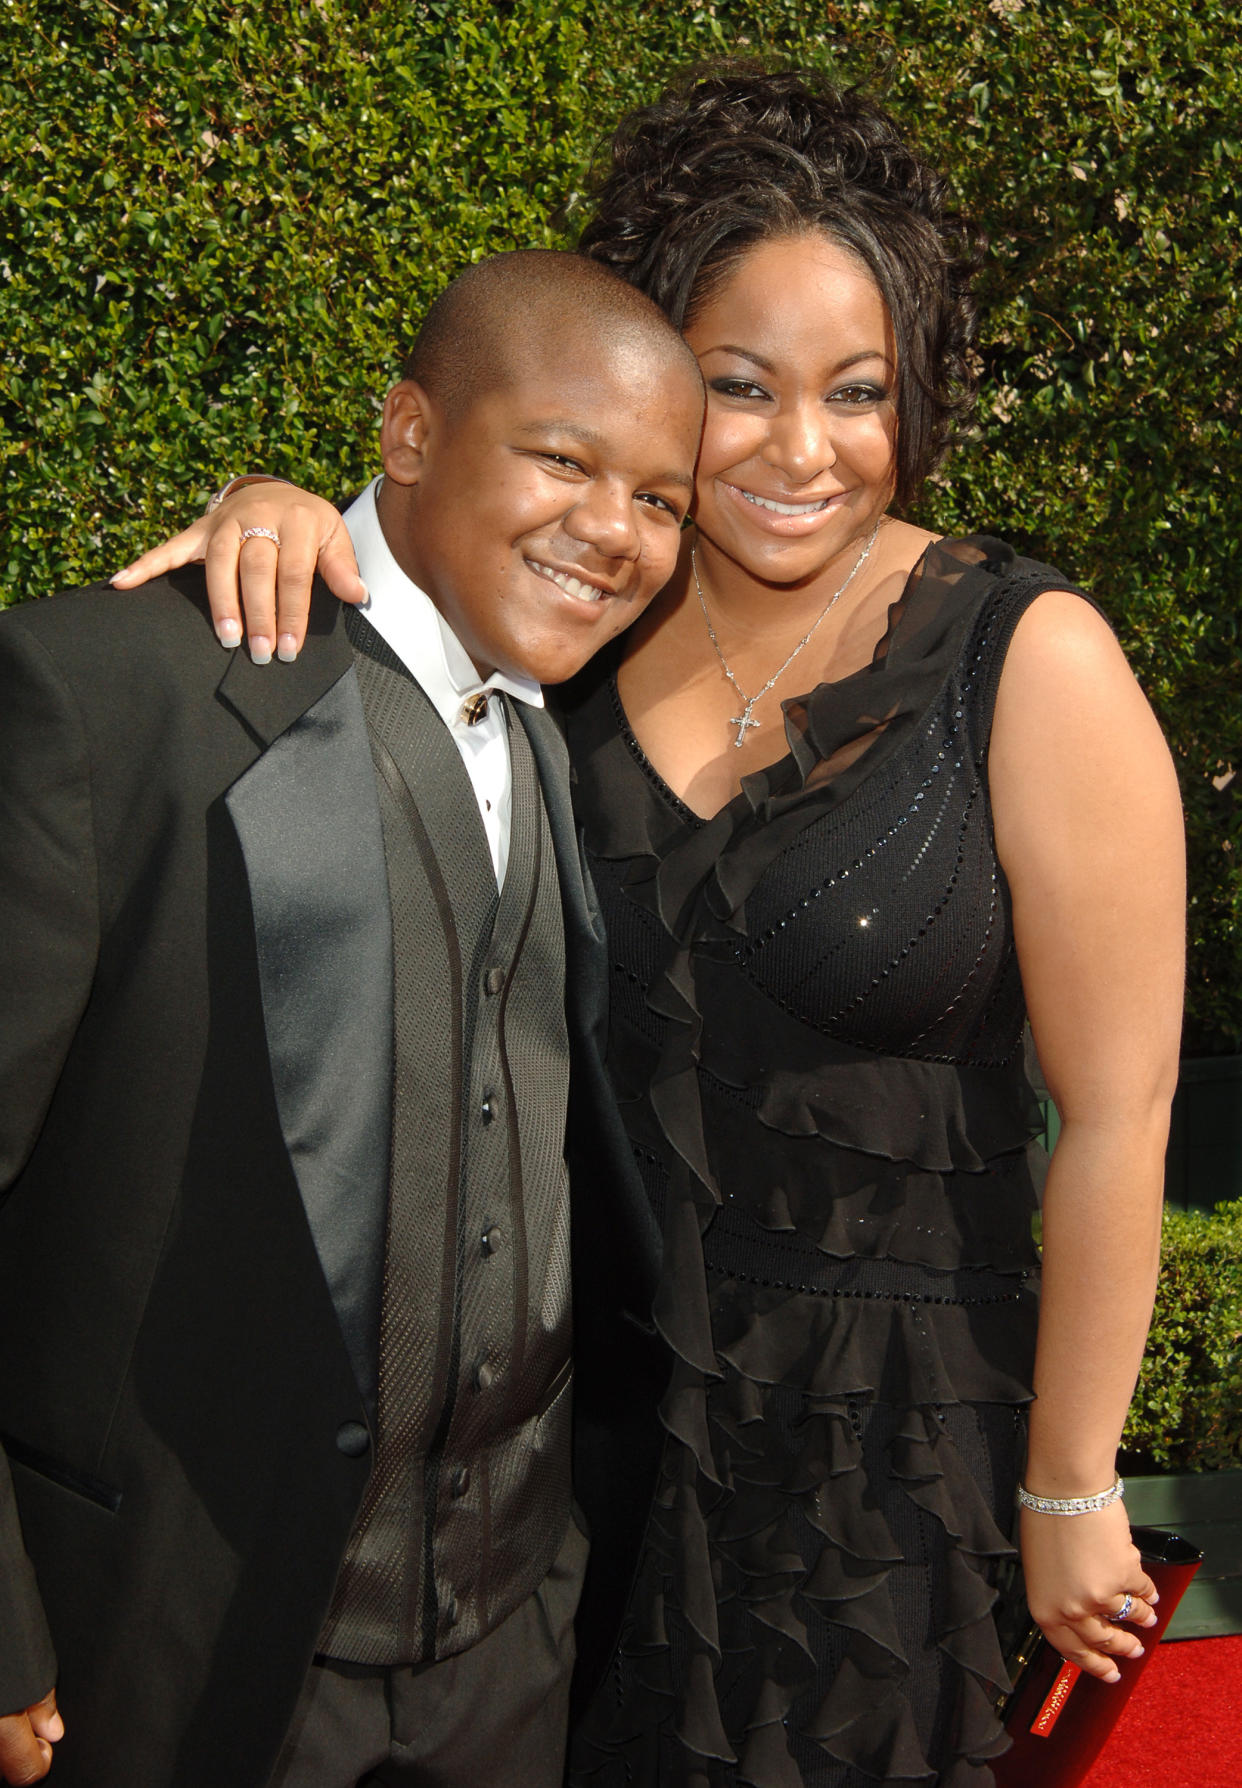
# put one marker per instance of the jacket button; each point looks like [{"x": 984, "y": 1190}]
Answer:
[
  {"x": 491, "y": 1241},
  {"x": 461, "y": 1480},
  {"x": 352, "y": 1439},
  {"x": 488, "y": 1108},
  {"x": 451, "y": 1610},
  {"x": 484, "y": 1376},
  {"x": 493, "y": 980}
]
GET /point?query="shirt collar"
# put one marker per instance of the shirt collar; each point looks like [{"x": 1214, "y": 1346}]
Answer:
[{"x": 407, "y": 618}]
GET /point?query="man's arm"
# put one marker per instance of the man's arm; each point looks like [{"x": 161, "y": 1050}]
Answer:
[
  {"x": 48, "y": 943},
  {"x": 49, "y": 908}
]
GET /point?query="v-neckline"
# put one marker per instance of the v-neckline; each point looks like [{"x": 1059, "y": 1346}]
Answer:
[{"x": 665, "y": 789}]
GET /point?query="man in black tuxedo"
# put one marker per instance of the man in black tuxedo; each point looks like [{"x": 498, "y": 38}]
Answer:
[{"x": 295, "y": 967}]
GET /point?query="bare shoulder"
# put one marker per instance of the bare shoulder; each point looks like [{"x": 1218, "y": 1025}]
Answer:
[
  {"x": 1065, "y": 670},
  {"x": 1073, "y": 731},
  {"x": 1062, "y": 628},
  {"x": 898, "y": 549},
  {"x": 1087, "y": 822},
  {"x": 905, "y": 542}
]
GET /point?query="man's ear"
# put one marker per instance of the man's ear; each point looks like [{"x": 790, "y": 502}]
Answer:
[{"x": 409, "y": 422}]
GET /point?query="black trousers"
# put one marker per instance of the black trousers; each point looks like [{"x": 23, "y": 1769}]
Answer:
[{"x": 495, "y": 1713}]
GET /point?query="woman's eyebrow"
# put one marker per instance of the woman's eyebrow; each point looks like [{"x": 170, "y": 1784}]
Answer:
[{"x": 727, "y": 347}]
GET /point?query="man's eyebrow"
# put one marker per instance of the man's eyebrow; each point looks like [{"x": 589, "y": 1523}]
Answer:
[
  {"x": 591, "y": 437},
  {"x": 563, "y": 425},
  {"x": 728, "y": 347},
  {"x": 684, "y": 479}
]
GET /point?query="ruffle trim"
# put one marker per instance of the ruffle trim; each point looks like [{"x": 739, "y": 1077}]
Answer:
[
  {"x": 930, "y": 1354},
  {"x": 729, "y": 1536},
  {"x": 746, "y": 1600},
  {"x": 941, "y": 1116}
]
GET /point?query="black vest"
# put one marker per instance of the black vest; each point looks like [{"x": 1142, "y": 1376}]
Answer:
[{"x": 470, "y": 1492}]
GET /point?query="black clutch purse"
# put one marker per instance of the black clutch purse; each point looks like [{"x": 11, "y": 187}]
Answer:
[{"x": 1059, "y": 1718}]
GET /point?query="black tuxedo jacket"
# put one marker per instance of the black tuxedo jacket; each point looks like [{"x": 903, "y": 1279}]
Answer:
[{"x": 195, "y": 1067}]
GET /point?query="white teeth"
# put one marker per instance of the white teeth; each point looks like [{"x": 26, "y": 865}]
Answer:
[
  {"x": 572, "y": 586},
  {"x": 783, "y": 508}
]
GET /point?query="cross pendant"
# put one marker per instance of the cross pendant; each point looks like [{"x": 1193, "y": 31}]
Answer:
[{"x": 741, "y": 722}]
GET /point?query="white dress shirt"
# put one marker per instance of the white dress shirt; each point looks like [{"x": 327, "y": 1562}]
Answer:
[{"x": 417, "y": 632}]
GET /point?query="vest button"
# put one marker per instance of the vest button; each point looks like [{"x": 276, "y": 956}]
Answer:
[
  {"x": 493, "y": 980},
  {"x": 484, "y": 1376},
  {"x": 352, "y": 1439},
  {"x": 488, "y": 1108},
  {"x": 451, "y": 1610},
  {"x": 492, "y": 1241},
  {"x": 461, "y": 1480}
]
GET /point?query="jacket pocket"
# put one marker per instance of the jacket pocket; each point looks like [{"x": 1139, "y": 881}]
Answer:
[{"x": 67, "y": 1477}]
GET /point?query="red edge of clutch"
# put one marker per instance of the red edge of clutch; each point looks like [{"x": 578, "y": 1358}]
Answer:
[{"x": 1055, "y": 1700}]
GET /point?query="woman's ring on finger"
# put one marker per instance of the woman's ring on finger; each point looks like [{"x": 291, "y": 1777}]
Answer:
[
  {"x": 1123, "y": 1613},
  {"x": 261, "y": 534}
]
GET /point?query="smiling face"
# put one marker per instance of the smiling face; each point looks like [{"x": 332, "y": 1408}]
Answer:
[
  {"x": 544, "y": 517},
  {"x": 797, "y": 459}
]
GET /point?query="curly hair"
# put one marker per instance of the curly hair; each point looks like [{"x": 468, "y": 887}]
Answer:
[{"x": 735, "y": 156}]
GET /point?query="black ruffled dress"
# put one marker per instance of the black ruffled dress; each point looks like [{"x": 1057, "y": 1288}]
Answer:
[{"x": 817, "y": 1038}]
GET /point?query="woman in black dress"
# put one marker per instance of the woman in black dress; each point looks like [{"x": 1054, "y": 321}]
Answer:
[{"x": 829, "y": 914}]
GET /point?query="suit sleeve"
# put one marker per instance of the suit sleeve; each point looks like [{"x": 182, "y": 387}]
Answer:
[
  {"x": 49, "y": 907},
  {"x": 49, "y": 932}
]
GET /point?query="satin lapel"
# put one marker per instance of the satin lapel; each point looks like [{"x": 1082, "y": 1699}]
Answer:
[
  {"x": 584, "y": 921},
  {"x": 624, "y": 1240},
  {"x": 307, "y": 817}
]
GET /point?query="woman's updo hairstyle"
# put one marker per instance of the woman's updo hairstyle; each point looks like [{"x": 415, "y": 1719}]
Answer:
[{"x": 733, "y": 157}]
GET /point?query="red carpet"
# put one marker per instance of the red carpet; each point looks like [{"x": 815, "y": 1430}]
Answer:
[{"x": 1183, "y": 1725}]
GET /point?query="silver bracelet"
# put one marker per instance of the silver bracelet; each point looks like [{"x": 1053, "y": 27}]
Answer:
[
  {"x": 1071, "y": 1505},
  {"x": 240, "y": 483}
]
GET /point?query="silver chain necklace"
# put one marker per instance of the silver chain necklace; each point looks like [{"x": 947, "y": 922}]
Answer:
[{"x": 743, "y": 720}]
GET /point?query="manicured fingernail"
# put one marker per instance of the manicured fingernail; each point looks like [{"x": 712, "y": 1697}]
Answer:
[
  {"x": 1154, "y": 1597},
  {"x": 229, "y": 633},
  {"x": 118, "y": 575},
  {"x": 366, "y": 594},
  {"x": 260, "y": 649},
  {"x": 1114, "y": 1675},
  {"x": 57, "y": 1727},
  {"x": 286, "y": 648}
]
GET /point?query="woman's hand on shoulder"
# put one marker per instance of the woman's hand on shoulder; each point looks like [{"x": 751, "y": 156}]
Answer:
[
  {"x": 1078, "y": 1570},
  {"x": 261, "y": 547}
]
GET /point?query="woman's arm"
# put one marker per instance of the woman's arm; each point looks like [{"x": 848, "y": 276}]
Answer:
[
  {"x": 270, "y": 579},
  {"x": 1088, "y": 828}
]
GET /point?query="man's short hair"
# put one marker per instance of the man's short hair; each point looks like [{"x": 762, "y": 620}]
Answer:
[{"x": 485, "y": 325}]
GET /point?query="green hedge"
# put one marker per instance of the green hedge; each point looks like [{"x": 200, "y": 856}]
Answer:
[
  {"x": 219, "y": 224},
  {"x": 1187, "y": 1410}
]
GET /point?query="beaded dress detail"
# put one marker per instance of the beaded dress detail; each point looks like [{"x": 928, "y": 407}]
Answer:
[{"x": 817, "y": 1039}]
